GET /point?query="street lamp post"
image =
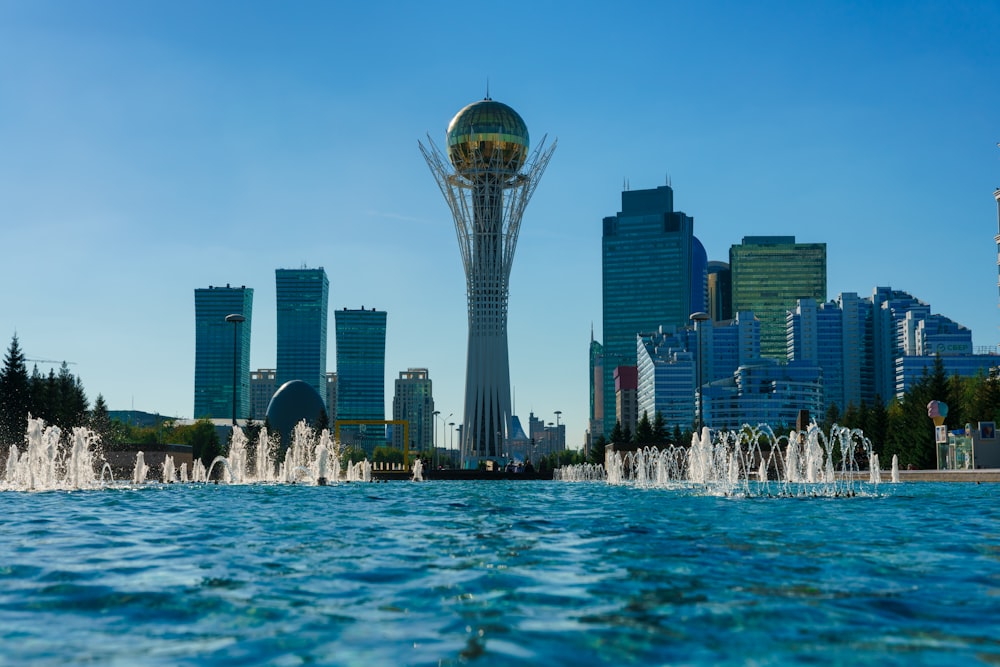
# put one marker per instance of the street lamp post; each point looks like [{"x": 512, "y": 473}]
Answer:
[
  {"x": 235, "y": 319},
  {"x": 434, "y": 444},
  {"x": 451, "y": 438},
  {"x": 698, "y": 318},
  {"x": 559, "y": 442}
]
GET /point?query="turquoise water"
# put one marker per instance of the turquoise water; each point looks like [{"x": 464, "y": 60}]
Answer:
[{"x": 497, "y": 573}]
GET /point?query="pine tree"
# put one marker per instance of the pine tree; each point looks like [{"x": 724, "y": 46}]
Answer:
[
  {"x": 661, "y": 438},
  {"x": 643, "y": 431},
  {"x": 100, "y": 420},
  {"x": 15, "y": 395},
  {"x": 617, "y": 436}
]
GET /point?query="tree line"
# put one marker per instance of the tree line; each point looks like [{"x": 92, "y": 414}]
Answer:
[{"x": 900, "y": 427}]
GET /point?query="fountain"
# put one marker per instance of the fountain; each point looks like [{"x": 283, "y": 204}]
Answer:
[
  {"x": 418, "y": 471},
  {"x": 748, "y": 462},
  {"x": 140, "y": 470},
  {"x": 169, "y": 471},
  {"x": 46, "y": 463}
]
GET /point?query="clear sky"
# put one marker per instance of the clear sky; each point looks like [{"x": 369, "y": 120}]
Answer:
[{"x": 151, "y": 148}]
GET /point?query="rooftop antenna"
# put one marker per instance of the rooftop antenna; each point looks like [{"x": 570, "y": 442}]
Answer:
[{"x": 487, "y": 87}]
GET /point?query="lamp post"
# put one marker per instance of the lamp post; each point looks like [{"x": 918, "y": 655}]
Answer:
[
  {"x": 559, "y": 443},
  {"x": 698, "y": 318},
  {"x": 236, "y": 319},
  {"x": 451, "y": 437},
  {"x": 434, "y": 444}
]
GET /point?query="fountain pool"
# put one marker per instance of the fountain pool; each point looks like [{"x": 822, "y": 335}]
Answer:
[
  {"x": 497, "y": 573},
  {"x": 724, "y": 553}
]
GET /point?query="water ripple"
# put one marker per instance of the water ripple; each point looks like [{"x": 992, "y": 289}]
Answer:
[{"x": 496, "y": 574}]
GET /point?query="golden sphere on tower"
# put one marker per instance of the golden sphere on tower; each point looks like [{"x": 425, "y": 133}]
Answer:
[{"x": 487, "y": 136}]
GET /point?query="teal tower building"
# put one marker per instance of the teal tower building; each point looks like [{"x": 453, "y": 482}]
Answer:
[
  {"x": 302, "y": 296},
  {"x": 647, "y": 259},
  {"x": 361, "y": 375},
  {"x": 222, "y": 351}
]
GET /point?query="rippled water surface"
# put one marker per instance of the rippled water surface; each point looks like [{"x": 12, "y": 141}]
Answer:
[{"x": 497, "y": 573}]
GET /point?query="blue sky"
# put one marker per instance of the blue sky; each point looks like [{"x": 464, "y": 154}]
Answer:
[{"x": 151, "y": 148}]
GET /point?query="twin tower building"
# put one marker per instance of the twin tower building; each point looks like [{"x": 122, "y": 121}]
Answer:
[{"x": 224, "y": 384}]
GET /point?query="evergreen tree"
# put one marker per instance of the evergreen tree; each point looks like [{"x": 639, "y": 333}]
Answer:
[
  {"x": 100, "y": 420},
  {"x": 15, "y": 395},
  {"x": 831, "y": 417},
  {"x": 617, "y": 436},
  {"x": 644, "y": 431},
  {"x": 71, "y": 401},
  {"x": 661, "y": 438},
  {"x": 878, "y": 426},
  {"x": 597, "y": 450}
]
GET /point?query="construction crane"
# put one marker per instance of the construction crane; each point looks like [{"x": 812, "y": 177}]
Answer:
[{"x": 51, "y": 361}]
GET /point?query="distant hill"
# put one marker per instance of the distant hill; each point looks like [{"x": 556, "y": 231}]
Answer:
[{"x": 138, "y": 417}]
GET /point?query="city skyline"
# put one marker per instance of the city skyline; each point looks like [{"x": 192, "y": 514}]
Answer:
[{"x": 151, "y": 150}]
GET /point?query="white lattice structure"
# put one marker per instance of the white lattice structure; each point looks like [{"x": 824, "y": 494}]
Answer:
[{"x": 487, "y": 179}]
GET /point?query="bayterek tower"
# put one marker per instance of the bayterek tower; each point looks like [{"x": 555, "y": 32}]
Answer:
[{"x": 487, "y": 179}]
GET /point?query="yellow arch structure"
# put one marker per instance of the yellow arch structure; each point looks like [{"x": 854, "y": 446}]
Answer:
[{"x": 378, "y": 422}]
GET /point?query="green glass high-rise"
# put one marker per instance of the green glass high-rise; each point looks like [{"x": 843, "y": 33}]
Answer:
[
  {"x": 647, "y": 255},
  {"x": 219, "y": 346},
  {"x": 361, "y": 373},
  {"x": 302, "y": 296},
  {"x": 769, "y": 274}
]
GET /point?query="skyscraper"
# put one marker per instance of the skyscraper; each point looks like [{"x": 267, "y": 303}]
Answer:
[
  {"x": 413, "y": 401},
  {"x": 647, "y": 262},
  {"x": 487, "y": 180},
  {"x": 219, "y": 346},
  {"x": 596, "y": 427},
  {"x": 720, "y": 291},
  {"x": 302, "y": 296},
  {"x": 361, "y": 374},
  {"x": 769, "y": 273}
]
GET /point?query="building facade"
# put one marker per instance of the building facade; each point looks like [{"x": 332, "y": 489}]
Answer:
[
  {"x": 769, "y": 274},
  {"x": 626, "y": 397},
  {"x": 263, "y": 384},
  {"x": 764, "y": 392},
  {"x": 331, "y": 396},
  {"x": 413, "y": 401},
  {"x": 666, "y": 378},
  {"x": 647, "y": 263},
  {"x": 720, "y": 291},
  {"x": 360, "y": 336},
  {"x": 221, "y": 347},
  {"x": 302, "y": 296},
  {"x": 596, "y": 423}
]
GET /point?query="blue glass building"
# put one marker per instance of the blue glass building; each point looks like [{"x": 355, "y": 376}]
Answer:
[
  {"x": 647, "y": 258},
  {"x": 361, "y": 374},
  {"x": 302, "y": 296},
  {"x": 218, "y": 345}
]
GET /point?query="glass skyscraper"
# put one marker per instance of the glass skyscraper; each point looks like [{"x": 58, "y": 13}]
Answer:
[
  {"x": 361, "y": 373},
  {"x": 769, "y": 274},
  {"x": 647, "y": 263},
  {"x": 215, "y": 355},
  {"x": 302, "y": 296}
]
